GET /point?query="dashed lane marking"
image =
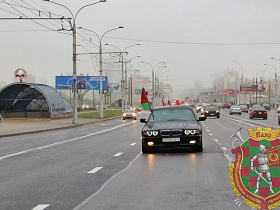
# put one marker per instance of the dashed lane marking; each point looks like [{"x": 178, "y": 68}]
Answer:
[
  {"x": 210, "y": 134},
  {"x": 223, "y": 148},
  {"x": 41, "y": 207},
  {"x": 133, "y": 144},
  {"x": 93, "y": 171},
  {"x": 63, "y": 142},
  {"x": 118, "y": 154}
]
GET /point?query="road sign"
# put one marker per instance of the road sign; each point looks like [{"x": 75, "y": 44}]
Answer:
[{"x": 152, "y": 98}]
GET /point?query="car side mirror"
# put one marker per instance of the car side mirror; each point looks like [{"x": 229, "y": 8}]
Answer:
[
  {"x": 143, "y": 120},
  {"x": 201, "y": 118}
]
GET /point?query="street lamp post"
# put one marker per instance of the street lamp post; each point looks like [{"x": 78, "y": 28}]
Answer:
[
  {"x": 74, "y": 86},
  {"x": 122, "y": 61},
  {"x": 275, "y": 91},
  {"x": 257, "y": 85},
  {"x": 153, "y": 76},
  {"x": 100, "y": 65},
  {"x": 241, "y": 71}
]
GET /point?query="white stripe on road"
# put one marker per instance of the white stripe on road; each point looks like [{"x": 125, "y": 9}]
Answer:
[
  {"x": 216, "y": 140},
  {"x": 41, "y": 207},
  {"x": 93, "y": 171},
  {"x": 63, "y": 142},
  {"x": 223, "y": 148},
  {"x": 118, "y": 154},
  {"x": 210, "y": 134},
  {"x": 133, "y": 144}
]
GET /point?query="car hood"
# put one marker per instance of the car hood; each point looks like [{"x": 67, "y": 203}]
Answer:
[{"x": 172, "y": 125}]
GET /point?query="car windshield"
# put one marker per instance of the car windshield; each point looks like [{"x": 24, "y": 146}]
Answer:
[
  {"x": 171, "y": 115},
  {"x": 235, "y": 107},
  {"x": 259, "y": 108},
  {"x": 243, "y": 106},
  {"x": 128, "y": 111},
  {"x": 211, "y": 107}
]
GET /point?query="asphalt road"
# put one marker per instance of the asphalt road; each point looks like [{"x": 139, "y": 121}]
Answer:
[{"x": 101, "y": 166}]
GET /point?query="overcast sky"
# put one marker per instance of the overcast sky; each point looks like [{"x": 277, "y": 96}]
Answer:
[{"x": 196, "y": 38}]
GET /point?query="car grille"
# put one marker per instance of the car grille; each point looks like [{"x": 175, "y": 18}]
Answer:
[
  {"x": 171, "y": 132},
  {"x": 212, "y": 112}
]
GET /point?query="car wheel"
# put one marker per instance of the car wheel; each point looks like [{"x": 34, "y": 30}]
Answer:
[
  {"x": 199, "y": 148},
  {"x": 218, "y": 116},
  {"x": 278, "y": 122},
  {"x": 239, "y": 113},
  {"x": 230, "y": 113},
  {"x": 134, "y": 118},
  {"x": 123, "y": 118},
  {"x": 146, "y": 149},
  {"x": 265, "y": 118}
]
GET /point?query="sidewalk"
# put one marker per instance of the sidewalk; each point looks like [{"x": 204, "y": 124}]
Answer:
[{"x": 14, "y": 127}]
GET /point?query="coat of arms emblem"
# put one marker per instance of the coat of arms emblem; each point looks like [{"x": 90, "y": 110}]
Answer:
[{"x": 255, "y": 174}]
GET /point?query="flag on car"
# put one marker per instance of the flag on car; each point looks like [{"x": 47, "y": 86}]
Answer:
[
  {"x": 163, "y": 103},
  {"x": 169, "y": 102},
  {"x": 177, "y": 102},
  {"x": 144, "y": 100}
]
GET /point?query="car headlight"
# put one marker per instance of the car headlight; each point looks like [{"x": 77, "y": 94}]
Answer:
[
  {"x": 217, "y": 111},
  {"x": 207, "y": 111},
  {"x": 150, "y": 133},
  {"x": 124, "y": 114},
  {"x": 133, "y": 114},
  {"x": 191, "y": 132}
]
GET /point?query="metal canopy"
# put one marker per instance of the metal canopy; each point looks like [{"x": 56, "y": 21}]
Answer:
[{"x": 33, "y": 97}]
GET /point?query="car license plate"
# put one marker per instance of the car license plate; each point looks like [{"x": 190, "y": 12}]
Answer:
[
  {"x": 170, "y": 139},
  {"x": 260, "y": 112}
]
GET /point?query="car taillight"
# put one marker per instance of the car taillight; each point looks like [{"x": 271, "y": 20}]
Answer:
[
  {"x": 265, "y": 112},
  {"x": 240, "y": 109},
  {"x": 254, "y": 112},
  {"x": 231, "y": 109}
]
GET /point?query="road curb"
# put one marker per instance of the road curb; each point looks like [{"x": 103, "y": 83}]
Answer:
[{"x": 58, "y": 128}]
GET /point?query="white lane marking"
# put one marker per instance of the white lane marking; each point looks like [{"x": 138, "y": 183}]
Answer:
[
  {"x": 104, "y": 124},
  {"x": 223, "y": 148},
  {"x": 118, "y": 154},
  {"x": 63, "y": 142},
  {"x": 41, "y": 207},
  {"x": 106, "y": 183},
  {"x": 133, "y": 144},
  {"x": 93, "y": 171},
  {"x": 204, "y": 125},
  {"x": 216, "y": 140},
  {"x": 210, "y": 134}
]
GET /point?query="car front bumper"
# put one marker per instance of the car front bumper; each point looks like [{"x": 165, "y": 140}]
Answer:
[{"x": 184, "y": 141}]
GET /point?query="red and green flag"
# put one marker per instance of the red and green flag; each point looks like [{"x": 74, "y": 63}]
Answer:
[{"x": 144, "y": 100}]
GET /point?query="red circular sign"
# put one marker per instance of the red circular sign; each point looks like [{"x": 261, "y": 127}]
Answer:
[{"x": 152, "y": 98}]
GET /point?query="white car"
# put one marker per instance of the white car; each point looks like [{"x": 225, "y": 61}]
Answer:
[
  {"x": 235, "y": 110},
  {"x": 198, "y": 107},
  {"x": 129, "y": 113}
]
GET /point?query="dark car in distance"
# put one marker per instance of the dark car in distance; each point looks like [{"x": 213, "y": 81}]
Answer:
[
  {"x": 258, "y": 112},
  {"x": 212, "y": 111},
  {"x": 172, "y": 127},
  {"x": 226, "y": 106},
  {"x": 266, "y": 106}
]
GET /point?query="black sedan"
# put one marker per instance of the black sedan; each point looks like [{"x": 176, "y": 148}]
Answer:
[
  {"x": 172, "y": 126},
  {"x": 212, "y": 111}
]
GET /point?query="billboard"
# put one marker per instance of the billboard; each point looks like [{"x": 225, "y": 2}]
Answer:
[
  {"x": 84, "y": 82},
  {"x": 116, "y": 88}
]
